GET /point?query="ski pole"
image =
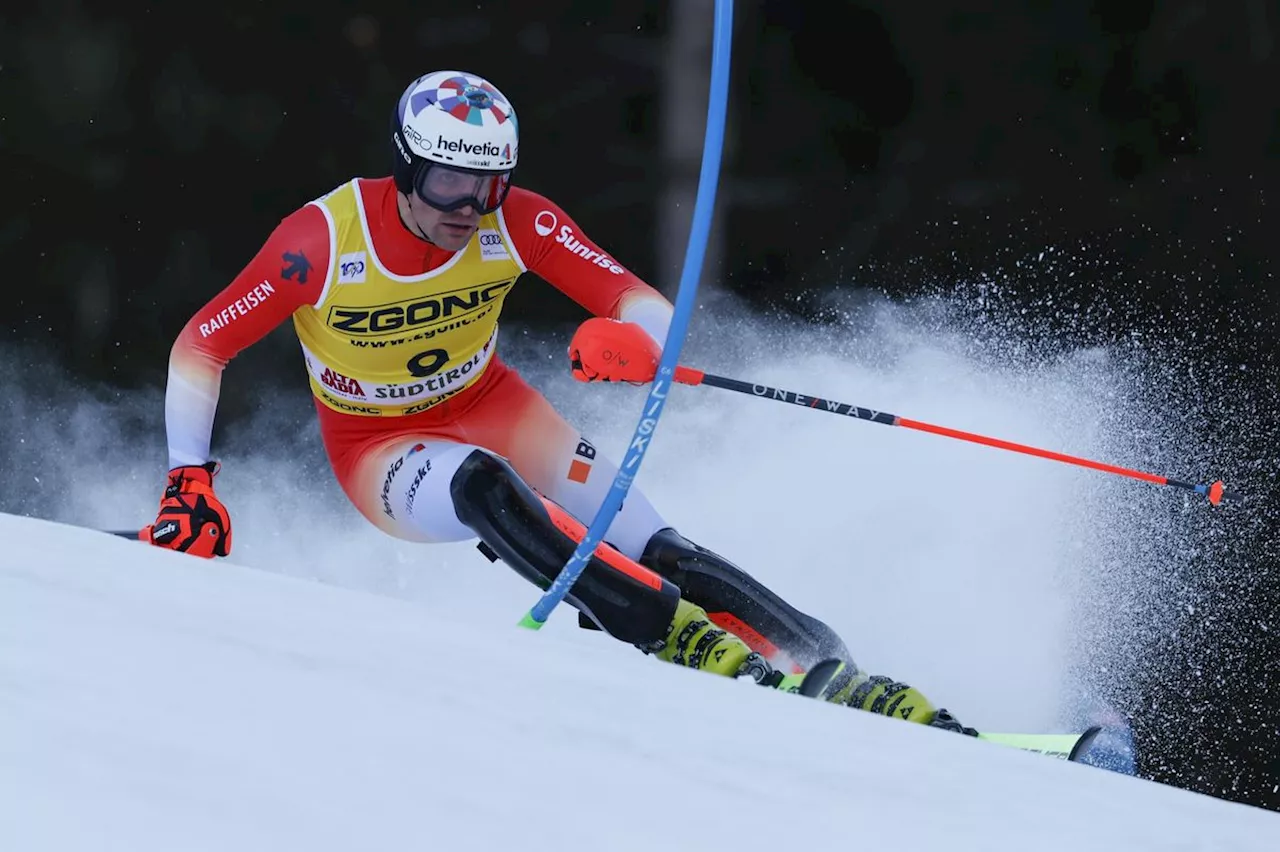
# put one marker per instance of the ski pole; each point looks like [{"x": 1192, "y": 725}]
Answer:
[
  {"x": 135, "y": 535},
  {"x": 688, "y": 376}
]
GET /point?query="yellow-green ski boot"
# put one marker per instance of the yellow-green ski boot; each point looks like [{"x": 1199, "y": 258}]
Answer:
[
  {"x": 695, "y": 642},
  {"x": 885, "y": 696}
]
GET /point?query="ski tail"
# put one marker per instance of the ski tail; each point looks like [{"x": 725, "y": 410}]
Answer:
[
  {"x": 819, "y": 677},
  {"x": 1071, "y": 747},
  {"x": 1084, "y": 744}
]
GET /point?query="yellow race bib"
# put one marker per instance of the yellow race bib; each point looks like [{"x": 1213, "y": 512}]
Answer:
[{"x": 382, "y": 344}]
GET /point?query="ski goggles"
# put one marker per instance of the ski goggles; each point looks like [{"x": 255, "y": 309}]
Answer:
[{"x": 447, "y": 188}]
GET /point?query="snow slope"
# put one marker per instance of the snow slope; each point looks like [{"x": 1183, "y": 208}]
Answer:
[{"x": 152, "y": 701}]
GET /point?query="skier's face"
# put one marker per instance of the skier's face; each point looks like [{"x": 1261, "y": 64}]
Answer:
[{"x": 450, "y": 230}]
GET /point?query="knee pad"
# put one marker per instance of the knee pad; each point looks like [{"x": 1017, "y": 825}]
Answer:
[{"x": 536, "y": 538}]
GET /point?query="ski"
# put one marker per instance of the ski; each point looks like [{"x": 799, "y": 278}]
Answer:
[
  {"x": 1072, "y": 747},
  {"x": 810, "y": 684},
  {"x": 817, "y": 678}
]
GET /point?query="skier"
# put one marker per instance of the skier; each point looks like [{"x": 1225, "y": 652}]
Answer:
[{"x": 394, "y": 286}]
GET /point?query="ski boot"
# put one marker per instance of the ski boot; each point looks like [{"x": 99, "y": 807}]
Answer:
[
  {"x": 887, "y": 697},
  {"x": 695, "y": 642}
]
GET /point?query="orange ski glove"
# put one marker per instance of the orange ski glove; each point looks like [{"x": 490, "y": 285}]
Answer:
[
  {"x": 191, "y": 518},
  {"x": 606, "y": 350}
]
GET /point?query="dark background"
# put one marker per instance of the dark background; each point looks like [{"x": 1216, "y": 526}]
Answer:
[{"x": 148, "y": 150}]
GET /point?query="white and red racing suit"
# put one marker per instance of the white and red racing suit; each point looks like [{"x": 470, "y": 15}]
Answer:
[{"x": 398, "y": 338}]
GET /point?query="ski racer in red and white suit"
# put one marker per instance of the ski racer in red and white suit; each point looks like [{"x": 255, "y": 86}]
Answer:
[{"x": 394, "y": 287}]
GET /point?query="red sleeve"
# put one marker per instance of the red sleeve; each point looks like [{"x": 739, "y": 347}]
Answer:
[
  {"x": 289, "y": 271},
  {"x": 552, "y": 246}
]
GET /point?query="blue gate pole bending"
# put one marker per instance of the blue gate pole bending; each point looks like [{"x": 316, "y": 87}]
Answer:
[{"x": 699, "y": 232}]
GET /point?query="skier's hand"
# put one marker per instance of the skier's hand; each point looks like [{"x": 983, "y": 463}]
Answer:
[
  {"x": 606, "y": 350},
  {"x": 191, "y": 518}
]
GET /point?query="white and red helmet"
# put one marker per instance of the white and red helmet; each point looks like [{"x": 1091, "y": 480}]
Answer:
[{"x": 455, "y": 141}]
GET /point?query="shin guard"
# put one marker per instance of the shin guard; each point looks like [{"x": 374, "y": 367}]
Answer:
[
  {"x": 536, "y": 538},
  {"x": 741, "y": 604}
]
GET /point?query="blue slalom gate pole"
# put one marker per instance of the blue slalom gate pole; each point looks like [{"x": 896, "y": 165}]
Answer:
[{"x": 704, "y": 206}]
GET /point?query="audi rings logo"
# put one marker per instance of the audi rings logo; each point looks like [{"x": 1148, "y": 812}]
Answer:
[
  {"x": 490, "y": 238},
  {"x": 545, "y": 223}
]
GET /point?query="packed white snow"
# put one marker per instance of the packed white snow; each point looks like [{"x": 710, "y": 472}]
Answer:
[{"x": 152, "y": 701}]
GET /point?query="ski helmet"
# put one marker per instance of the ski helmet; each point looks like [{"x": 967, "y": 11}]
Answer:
[{"x": 455, "y": 141}]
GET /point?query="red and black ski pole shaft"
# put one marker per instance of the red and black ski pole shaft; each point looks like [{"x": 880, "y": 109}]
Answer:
[{"x": 687, "y": 375}]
